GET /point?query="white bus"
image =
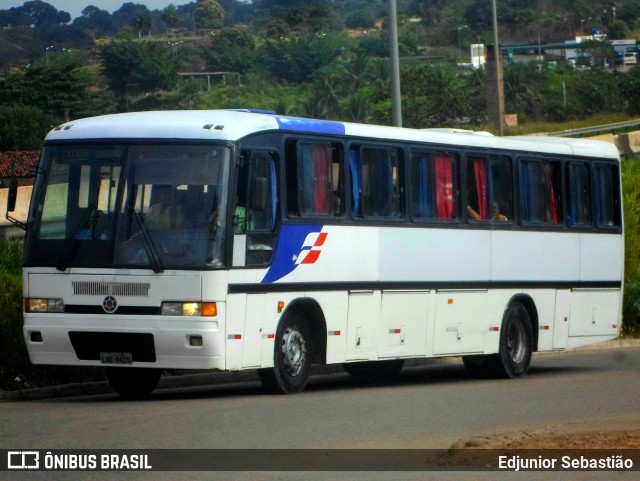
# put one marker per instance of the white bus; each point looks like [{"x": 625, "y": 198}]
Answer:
[{"x": 234, "y": 240}]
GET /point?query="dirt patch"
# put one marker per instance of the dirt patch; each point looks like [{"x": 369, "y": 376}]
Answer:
[{"x": 605, "y": 434}]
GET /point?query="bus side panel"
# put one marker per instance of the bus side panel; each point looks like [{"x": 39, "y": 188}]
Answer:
[
  {"x": 461, "y": 322},
  {"x": 404, "y": 316},
  {"x": 594, "y": 313},
  {"x": 526, "y": 256},
  {"x": 600, "y": 256},
  {"x": 362, "y": 325},
  {"x": 548, "y": 311},
  {"x": 422, "y": 255},
  {"x": 334, "y": 307}
]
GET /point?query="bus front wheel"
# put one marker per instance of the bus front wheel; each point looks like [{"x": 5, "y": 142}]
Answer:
[
  {"x": 133, "y": 382},
  {"x": 291, "y": 359}
]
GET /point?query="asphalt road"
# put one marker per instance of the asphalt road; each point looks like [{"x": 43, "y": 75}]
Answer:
[{"x": 430, "y": 405}]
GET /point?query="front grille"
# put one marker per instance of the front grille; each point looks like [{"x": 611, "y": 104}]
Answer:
[
  {"x": 122, "y": 310},
  {"x": 89, "y": 345},
  {"x": 97, "y": 288}
]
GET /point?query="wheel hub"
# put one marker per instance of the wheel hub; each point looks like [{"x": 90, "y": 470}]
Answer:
[
  {"x": 294, "y": 351},
  {"x": 516, "y": 342}
]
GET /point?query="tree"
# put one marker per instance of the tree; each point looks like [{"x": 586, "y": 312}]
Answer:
[
  {"x": 141, "y": 66},
  {"x": 170, "y": 16},
  {"x": 41, "y": 13},
  {"x": 439, "y": 97},
  {"x": 297, "y": 59},
  {"x": 599, "y": 52},
  {"x": 127, "y": 13},
  {"x": 208, "y": 14},
  {"x": 97, "y": 22},
  {"x": 142, "y": 21},
  {"x": 22, "y": 127},
  {"x": 233, "y": 49}
]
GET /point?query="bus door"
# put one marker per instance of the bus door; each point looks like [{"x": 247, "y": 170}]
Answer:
[{"x": 254, "y": 236}]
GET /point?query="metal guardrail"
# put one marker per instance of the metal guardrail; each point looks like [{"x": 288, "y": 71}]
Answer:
[{"x": 626, "y": 126}]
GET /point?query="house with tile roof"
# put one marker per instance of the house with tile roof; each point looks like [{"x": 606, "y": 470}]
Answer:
[{"x": 21, "y": 166}]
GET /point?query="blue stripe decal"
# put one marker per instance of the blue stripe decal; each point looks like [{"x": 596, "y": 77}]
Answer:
[
  {"x": 310, "y": 125},
  {"x": 290, "y": 246}
]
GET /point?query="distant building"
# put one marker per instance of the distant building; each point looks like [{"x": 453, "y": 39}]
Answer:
[
  {"x": 478, "y": 58},
  {"x": 21, "y": 165}
]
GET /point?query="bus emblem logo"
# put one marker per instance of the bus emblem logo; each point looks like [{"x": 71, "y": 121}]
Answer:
[
  {"x": 110, "y": 305},
  {"x": 311, "y": 248}
]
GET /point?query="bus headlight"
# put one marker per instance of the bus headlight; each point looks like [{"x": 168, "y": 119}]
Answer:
[
  {"x": 43, "y": 305},
  {"x": 205, "y": 309}
]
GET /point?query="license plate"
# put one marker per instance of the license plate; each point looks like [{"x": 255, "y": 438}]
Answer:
[{"x": 116, "y": 358}]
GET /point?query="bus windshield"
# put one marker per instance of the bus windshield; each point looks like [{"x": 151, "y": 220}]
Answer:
[{"x": 130, "y": 205}]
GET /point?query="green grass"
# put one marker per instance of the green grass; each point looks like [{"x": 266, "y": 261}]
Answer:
[{"x": 631, "y": 201}]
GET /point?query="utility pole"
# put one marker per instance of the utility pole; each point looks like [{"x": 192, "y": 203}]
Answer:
[
  {"x": 395, "y": 65},
  {"x": 460, "y": 42},
  {"x": 497, "y": 58}
]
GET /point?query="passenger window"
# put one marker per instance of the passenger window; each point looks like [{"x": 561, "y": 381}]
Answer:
[
  {"x": 376, "y": 181},
  {"x": 432, "y": 185},
  {"x": 314, "y": 179},
  {"x": 540, "y": 190},
  {"x": 607, "y": 195},
  {"x": 579, "y": 192},
  {"x": 489, "y": 191}
]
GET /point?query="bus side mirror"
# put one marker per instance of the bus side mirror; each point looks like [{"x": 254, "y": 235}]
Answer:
[
  {"x": 12, "y": 195},
  {"x": 260, "y": 190}
]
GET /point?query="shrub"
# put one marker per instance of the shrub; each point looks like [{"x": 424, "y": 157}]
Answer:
[
  {"x": 16, "y": 370},
  {"x": 631, "y": 201}
]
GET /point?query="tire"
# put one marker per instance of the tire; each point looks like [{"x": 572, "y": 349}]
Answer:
[
  {"x": 133, "y": 382},
  {"x": 374, "y": 369},
  {"x": 514, "y": 352},
  {"x": 516, "y": 344},
  {"x": 291, "y": 358}
]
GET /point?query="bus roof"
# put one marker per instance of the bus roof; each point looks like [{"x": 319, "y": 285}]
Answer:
[{"x": 231, "y": 125}]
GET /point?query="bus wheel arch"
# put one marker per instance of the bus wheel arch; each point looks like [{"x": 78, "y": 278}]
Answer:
[
  {"x": 311, "y": 311},
  {"x": 299, "y": 342},
  {"x": 518, "y": 341}
]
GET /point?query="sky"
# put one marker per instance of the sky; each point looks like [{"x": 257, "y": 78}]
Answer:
[{"x": 74, "y": 7}]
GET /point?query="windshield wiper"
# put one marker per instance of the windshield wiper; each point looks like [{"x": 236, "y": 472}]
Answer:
[
  {"x": 147, "y": 242},
  {"x": 71, "y": 246}
]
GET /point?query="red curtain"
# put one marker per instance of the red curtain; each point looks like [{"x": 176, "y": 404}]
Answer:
[
  {"x": 321, "y": 172},
  {"x": 553, "y": 202},
  {"x": 444, "y": 186},
  {"x": 481, "y": 186}
]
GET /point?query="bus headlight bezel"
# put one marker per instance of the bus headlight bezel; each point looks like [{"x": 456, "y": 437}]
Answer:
[
  {"x": 189, "y": 309},
  {"x": 43, "y": 305}
]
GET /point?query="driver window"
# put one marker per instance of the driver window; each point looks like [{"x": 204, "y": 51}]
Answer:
[{"x": 255, "y": 207}]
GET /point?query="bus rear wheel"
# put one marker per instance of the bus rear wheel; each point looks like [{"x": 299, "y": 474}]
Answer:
[
  {"x": 291, "y": 359},
  {"x": 133, "y": 382}
]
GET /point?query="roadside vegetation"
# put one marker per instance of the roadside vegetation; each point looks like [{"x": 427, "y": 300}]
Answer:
[{"x": 16, "y": 371}]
